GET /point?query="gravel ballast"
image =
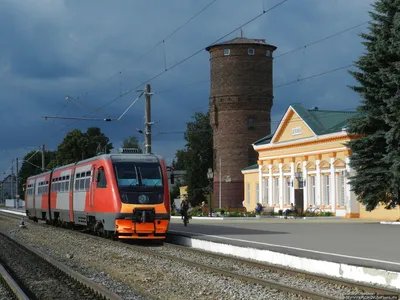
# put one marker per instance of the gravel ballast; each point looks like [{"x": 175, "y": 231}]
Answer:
[
  {"x": 135, "y": 275},
  {"x": 131, "y": 274}
]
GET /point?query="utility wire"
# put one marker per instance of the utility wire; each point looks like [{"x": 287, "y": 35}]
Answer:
[
  {"x": 349, "y": 110},
  {"x": 187, "y": 58},
  {"x": 154, "y": 46},
  {"x": 263, "y": 90},
  {"x": 280, "y": 55},
  {"x": 290, "y": 83},
  {"x": 175, "y": 65},
  {"x": 322, "y": 39}
]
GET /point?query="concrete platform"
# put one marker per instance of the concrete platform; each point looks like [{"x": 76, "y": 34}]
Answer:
[
  {"x": 19, "y": 211},
  {"x": 347, "y": 248}
]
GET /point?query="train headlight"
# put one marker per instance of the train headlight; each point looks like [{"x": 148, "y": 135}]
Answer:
[{"x": 143, "y": 199}]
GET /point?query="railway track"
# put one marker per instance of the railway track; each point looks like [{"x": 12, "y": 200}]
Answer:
[
  {"x": 299, "y": 274},
  {"x": 236, "y": 274},
  {"x": 43, "y": 277},
  {"x": 9, "y": 289}
]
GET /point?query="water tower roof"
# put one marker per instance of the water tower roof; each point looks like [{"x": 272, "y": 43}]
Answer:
[{"x": 242, "y": 41}]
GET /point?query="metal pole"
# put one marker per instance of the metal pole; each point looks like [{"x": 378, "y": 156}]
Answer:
[
  {"x": 2, "y": 191},
  {"x": 220, "y": 182},
  {"x": 211, "y": 192},
  {"x": 43, "y": 154},
  {"x": 11, "y": 180},
  {"x": 148, "y": 120},
  {"x": 16, "y": 183}
]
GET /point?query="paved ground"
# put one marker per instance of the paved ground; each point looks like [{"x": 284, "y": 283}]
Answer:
[{"x": 351, "y": 241}]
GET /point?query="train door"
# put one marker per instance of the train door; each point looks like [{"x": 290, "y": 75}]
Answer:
[
  {"x": 71, "y": 196},
  {"x": 33, "y": 198},
  {"x": 92, "y": 188}
]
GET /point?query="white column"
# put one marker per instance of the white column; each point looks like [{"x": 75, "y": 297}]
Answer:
[
  {"x": 352, "y": 205},
  {"x": 318, "y": 200},
  {"x": 270, "y": 186},
  {"x": 292, "y": 200},
  {"x": 280, "y": 186},
  {"x": 332, "y": 187},
  {"x": 305, "y": 186},
  {"x": 260, "y": 184},
  {"x": 347, "y": 190}
]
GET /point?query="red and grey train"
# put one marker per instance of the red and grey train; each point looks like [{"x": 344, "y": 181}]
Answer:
[{"x": 123, "y": 195}]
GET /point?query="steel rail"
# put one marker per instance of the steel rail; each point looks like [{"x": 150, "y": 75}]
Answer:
[
  {"x": 11, "y": 285},
  {"x": 298, "y": 273},
  {"x": 94, "y": 288}
]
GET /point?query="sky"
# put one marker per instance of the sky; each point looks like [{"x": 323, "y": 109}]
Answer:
[{"x": 102, "y": 53}]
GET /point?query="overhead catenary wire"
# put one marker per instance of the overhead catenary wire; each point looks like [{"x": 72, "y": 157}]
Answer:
[
  {"x": 176, "y": 64},
  {"x": 349, "y": 110},
  {"x": 285, "y": 84},
  {"x": 322, "y": 39},
  {"x": 154, "y": 46},
  {"x": 186, "y": 59},
  {"x": 292, "y": 82},
  {"x": 289, "y": 83},
  {"x": 278, "y": 56},
  {"x": 140, "y": 57}
]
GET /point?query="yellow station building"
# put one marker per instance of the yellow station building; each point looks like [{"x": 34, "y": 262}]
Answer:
[{"x": 306, "y": 162}]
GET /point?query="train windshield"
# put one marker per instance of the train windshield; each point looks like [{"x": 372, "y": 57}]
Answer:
[{"x": 139, "y": 182}]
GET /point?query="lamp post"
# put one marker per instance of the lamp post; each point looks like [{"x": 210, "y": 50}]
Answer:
[
  {"x": 299, "y": 177},
  {"x": 210, "y": 176}
]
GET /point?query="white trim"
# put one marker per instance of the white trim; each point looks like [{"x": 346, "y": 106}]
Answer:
[
  {"x": 291, "y": 142},
  {"x": 304, "y": 153},
  {"x": 279, "y": 126},
  {"x": 285, "y": 116},
  {"x": 250, "y": 171}
]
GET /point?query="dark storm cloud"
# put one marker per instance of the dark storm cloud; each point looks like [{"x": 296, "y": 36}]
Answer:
[{"x": 57, "y": 48}]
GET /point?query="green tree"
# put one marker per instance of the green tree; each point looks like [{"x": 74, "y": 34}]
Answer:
[
  {"x": 131, "y": 142},
  {"x": 197, "y": 156},
  {"x": 78, "y": 145},
  {"x": 375, "y": 156},
  {"x": 32, "y": 165},
  {"x": 178, "y": 164}
]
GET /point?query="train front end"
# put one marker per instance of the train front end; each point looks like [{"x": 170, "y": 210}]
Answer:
[{"x": 142, "y": 183}]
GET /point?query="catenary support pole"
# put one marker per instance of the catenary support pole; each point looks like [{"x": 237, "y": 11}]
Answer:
[
  {"x": 43, "y": 156},
  {"x": 220, "y": 182},
  {"x": 148, "y": 120},
  {"x": 16, "y": 183}
]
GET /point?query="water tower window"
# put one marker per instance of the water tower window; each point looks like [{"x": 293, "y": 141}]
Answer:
[
  {"x": 268, "y": 53},
  {"x": 227, "y": 51},
  {"x": 250, "y": 123},
  {"x": 250, "y": 51}
]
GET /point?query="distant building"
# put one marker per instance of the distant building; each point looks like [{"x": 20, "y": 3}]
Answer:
[
  {"x": 241, "y": 98},
  {"x": 179, "y": 176},
  {"x": 8, "y": 186}
]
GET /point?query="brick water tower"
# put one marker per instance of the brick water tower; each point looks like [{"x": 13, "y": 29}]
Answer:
[{"x": 241, "y": 98}]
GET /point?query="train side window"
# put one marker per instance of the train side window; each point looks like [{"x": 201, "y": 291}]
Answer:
[
  {"x": 101, "y": 178},
  {"x": 87, "y": 183},
  {"x": 82, "y": 184}
]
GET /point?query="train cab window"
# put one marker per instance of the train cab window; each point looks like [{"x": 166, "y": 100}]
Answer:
[{"x": 101, "y": 178}]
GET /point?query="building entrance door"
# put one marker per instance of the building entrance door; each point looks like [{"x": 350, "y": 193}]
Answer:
[{"x": 299, "y": 200}]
